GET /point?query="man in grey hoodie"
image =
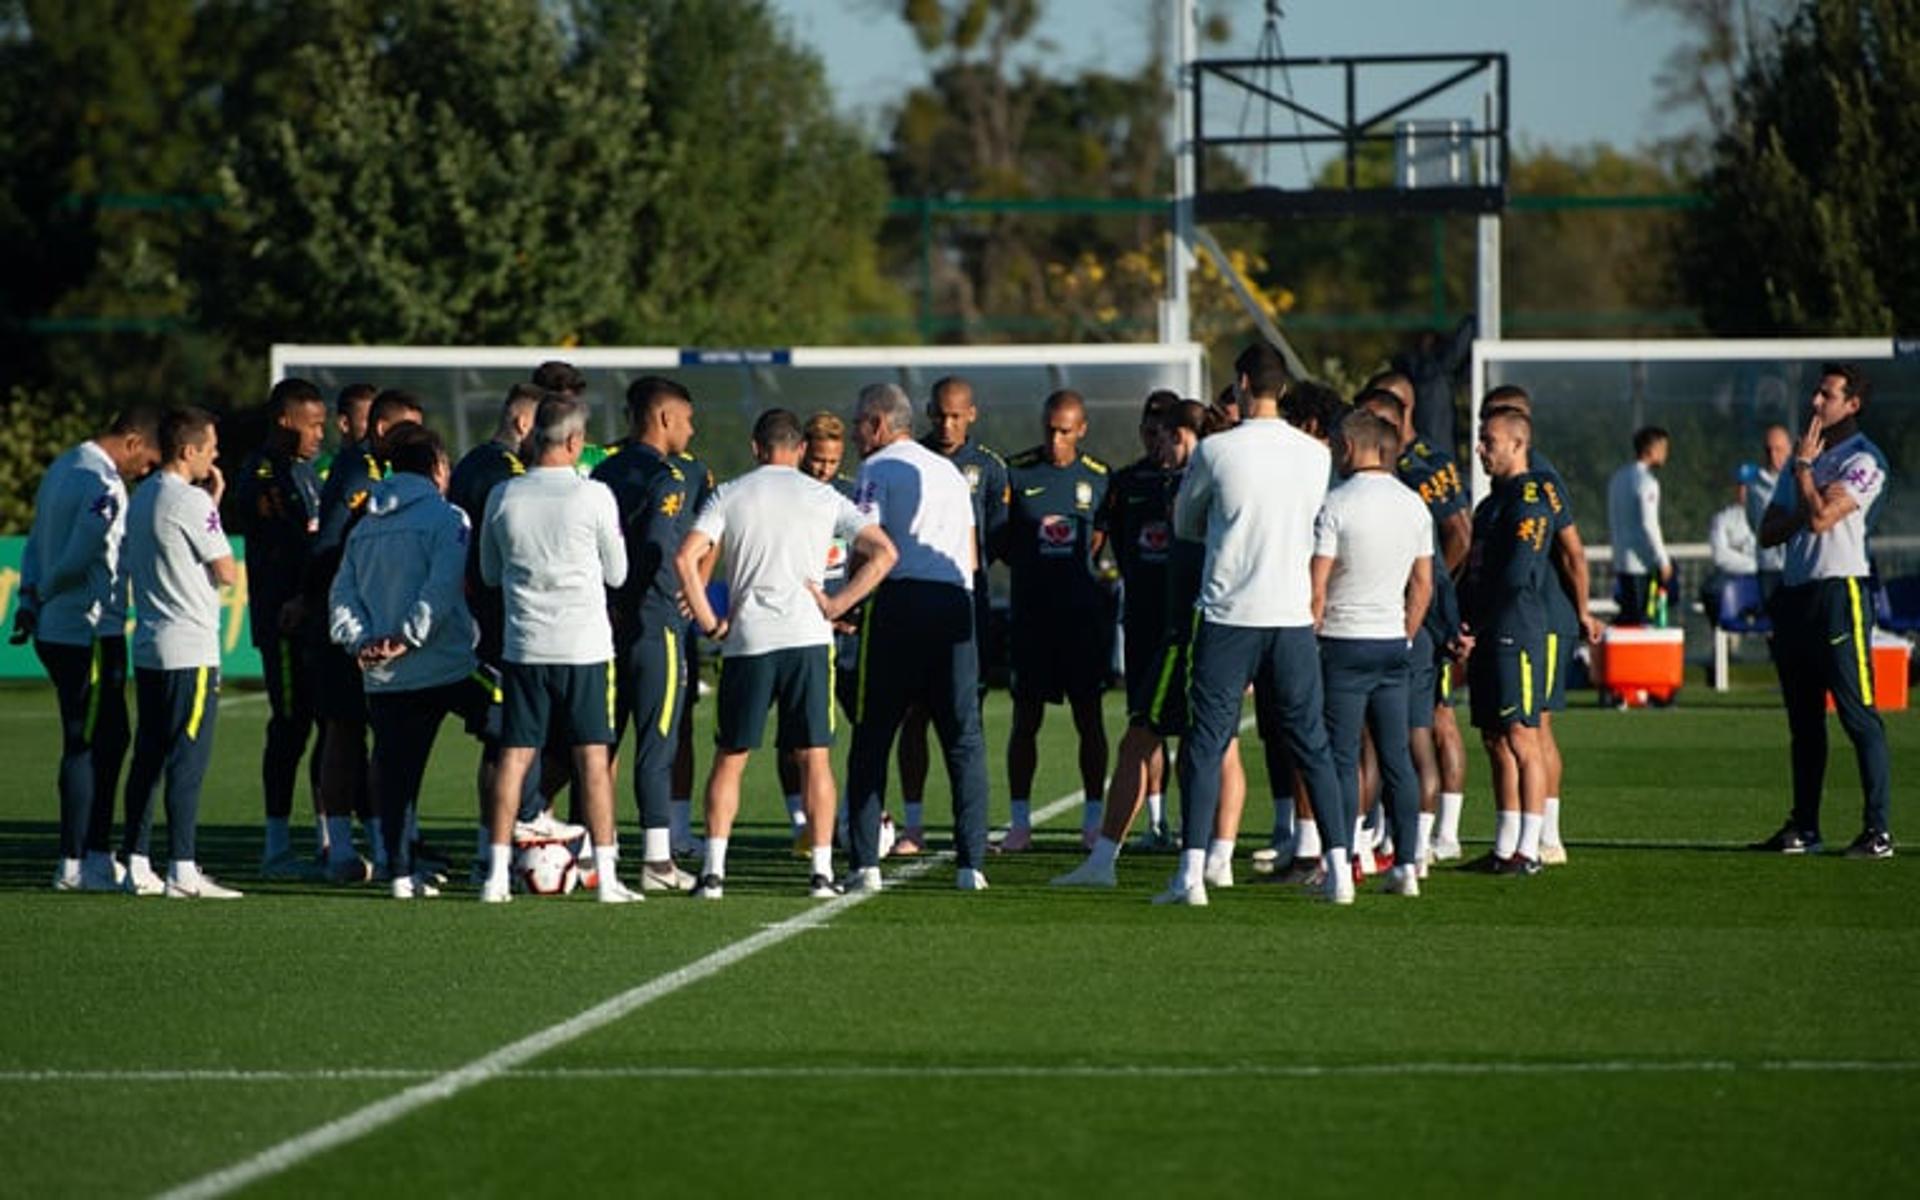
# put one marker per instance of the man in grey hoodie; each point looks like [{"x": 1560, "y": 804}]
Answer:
[{"x": 398, "y": 606}]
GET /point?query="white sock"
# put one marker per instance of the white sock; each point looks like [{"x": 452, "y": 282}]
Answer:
[
  {"x": 1022, "y": 814},
  {"x": 1425, "y": 847},
  {"x": 1193, "y": 865},
  {"x": 279, "y": 836},
  {"x": 1283, "y": 818},
  {"x": 656, "y": 845},
  {"x": 498, "y": 858},
  {"x": 1506, "y": 838},
  {"x": 1450, "y": 805},
  {"x": 1550, "y": 832},
  {"x": 1339, "y": 866},
  {"x": 184, "y": 871},
  {"x": 377, "y": 841},
  {"x": 339, "y": 839},
  {"x": 796, "y": 811},
  {"x": 1105, "y": 853},
  {"x": 716, "y": 857},
  {"x": 1306, "y": 839},
  {"x": 823, "y": 860},
  {"x": 1530, "y": 824},
  {"x": 606, "y": 864},
  {"x": 1089, "y": 814},
  {"x": 680, "y": 816},
  {"x": 915, "y": 810},
  {"x": 139, "y": 865},
  {"x": 1219, "y": 854},
  {"x": 1156, "y": 809}
]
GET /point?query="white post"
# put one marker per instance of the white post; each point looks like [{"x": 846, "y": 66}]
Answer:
[{"x": 1175, "y": 310}]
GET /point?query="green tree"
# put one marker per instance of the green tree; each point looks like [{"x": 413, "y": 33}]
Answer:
[{"x": 1813, "y": 221}]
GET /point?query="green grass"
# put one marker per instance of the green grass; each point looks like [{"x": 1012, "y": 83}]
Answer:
[{"x": 1628, "y": 1023}]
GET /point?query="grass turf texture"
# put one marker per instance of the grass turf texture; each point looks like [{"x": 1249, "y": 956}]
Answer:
[{"x": 1665, "y": 1016}]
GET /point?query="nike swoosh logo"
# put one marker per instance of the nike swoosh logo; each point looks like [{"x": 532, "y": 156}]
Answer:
[
  {"x": 1836, "y": 641},
  {"x": 1032, "y": 491},
  {"x": 1510, "y": 710}
]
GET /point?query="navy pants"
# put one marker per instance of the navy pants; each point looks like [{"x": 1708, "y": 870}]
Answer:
[
  {"x": 653, "y": 688},
  {"x": 917, "y": 647},
  {"x": 288, "y": 676},
  {"x": 174, "y": 740},
  {"x": 91, "y": 683},
  {"x": 1366, "y": 685},
  {"x": 405, "y": 725},
  {"x": 1284, "y": 667},
  {"x": 1823, "y": 643}
]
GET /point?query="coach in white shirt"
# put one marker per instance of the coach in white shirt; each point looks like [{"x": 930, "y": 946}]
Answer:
[
  {"x": 1252, "y": 494},
  {"x": 1641, "y": 564},
  {"x": 177, "y": 557},
  {"x": 917, "y": 643},
  {"x": 73, "y": 604},
  {"x": 1372, "y": 581},
  {"x": 551, "y": 543},
  {"x": 774, "y": 527}
]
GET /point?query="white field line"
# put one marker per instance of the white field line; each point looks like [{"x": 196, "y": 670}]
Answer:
[
  {"x": 50, "y": 713},
  {"x": 1068, "y": 1071},
  {"x": 363, "y": 1121}
]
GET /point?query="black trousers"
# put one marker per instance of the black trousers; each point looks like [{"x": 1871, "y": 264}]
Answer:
[
  {"x": 91, "y": 682},
  {"x": 287, "y": 669},
  {"x": 405, "y": 725},
  {"x": 1823, "y": 644}
]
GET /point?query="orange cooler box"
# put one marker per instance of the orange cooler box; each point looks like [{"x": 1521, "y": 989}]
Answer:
[
  {"x": 1641, "y": 664},
  {"x": 1890, "y": 667}
]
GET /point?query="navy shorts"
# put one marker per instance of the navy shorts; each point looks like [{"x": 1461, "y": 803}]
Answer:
[
  {"x": 571, "y": 704},
  {"x": 1556, "y": 663},
  {"x": 798, "y": 681},
  {"x": 1503, "y": 682},
  {"x": 1423, "y": 680},
  {"x": 339, "y": 694},
  {"x": 1058, "y": 657}
]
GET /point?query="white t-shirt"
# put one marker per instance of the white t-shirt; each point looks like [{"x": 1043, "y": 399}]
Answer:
[
  {"x": 551, "y": 542},
  {"x": 1374, "y": 528},
  {"x": 1252, "y": 494},
  {"x": 1840, "y": 552},
  {"x": 72, "y": 557},
  {"x": 925, "y": 505},
  {"x": 1633, "y": 519},
  {"x": 173, "y": 532},
  {"x": 775, "y": 527}
]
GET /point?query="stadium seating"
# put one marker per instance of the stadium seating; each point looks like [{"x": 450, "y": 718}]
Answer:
[{"x": 1738, "y": 609}]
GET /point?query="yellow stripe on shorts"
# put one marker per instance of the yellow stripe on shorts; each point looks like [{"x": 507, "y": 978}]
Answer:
[
  {"x": 1526, "y": 684},
  {"x": 1553, "y": 659}
]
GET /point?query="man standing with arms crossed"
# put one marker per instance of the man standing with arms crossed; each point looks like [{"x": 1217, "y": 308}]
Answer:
[
  {"x": 1642, "y": 570},
  {"x": 177, "y": 558},
  {"x": 1252, "y": 494},
  {"x": 73, "y": 604},
  {"x": 276, "y": 506},
  {"x": 950, "y": 408},
  {"x": 552, "y": 544},
  {"x": 774, "y": 527},
  {"x": 1823, "y": 514}
]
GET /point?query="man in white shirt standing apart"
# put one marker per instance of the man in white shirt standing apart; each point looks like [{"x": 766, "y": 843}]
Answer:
[
  {"x": 1641, "y": 565},
  {"x": 774, "y": 527},
  {"x": 1372, "y": 581},
  {"x": 73, "y": 604},
  {"x": 918, "y": 642},
  {"x": 1252, "y": 494},
  {"x": 551, "y": 543},
  {"x": 177, "y": 557}
]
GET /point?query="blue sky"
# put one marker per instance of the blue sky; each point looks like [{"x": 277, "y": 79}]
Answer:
[{"x": 1582, "y": 69}]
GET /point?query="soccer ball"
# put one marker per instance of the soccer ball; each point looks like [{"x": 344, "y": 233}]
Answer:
[{"x": 545, "y": 868}]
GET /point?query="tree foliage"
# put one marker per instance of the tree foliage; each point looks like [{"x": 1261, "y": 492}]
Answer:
[{"x": 1813, "y": 222}]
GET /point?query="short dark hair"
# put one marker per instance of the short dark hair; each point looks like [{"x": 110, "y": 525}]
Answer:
[
  {"x": 1159, "y": 400},
  {"x": 1648, "y": 437},
  {"x": 352, "y": 394},
  {"x": 1859, "y": 386},
  {"x": 647, "y": 393},
  {"x": 183, "y": 427},
  {"x": 392, "y": 403},
  {"x": 1364, "y": 429},
  {"x": 1369, "y": 396},
  {"x": 1508, "y": 396},
  {"x": 1064, "y": 398},
  {"x": 778, "y": 429},
  {"x": 1265, "y": 371},
  {"x": 1313, "y": 407},
  {"x": 143, "y": 419},
  {"x": 1190, "y": 415},
  {"x": 291, "y": 391},
  {"x": 520, "y": 398},
  {"x": 945, "y": 384},
  {"x": 1384, "y": 381},
  {"x": 556, "y": 376},
  {"x": 1506, "y": 414},
  {"x": 413, "y": 449}
]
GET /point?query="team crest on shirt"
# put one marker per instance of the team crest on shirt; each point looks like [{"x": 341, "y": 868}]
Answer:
[
  {"x": 1083, "y": 495},
  {"x": 357, "y": 501},
  {"x": 1154, "y": 538},
  {"x": 1530, "y": 492},
  {"x": 213, "y": 521},
  {"x": 672, "y": 504},
  {"x": 105, "y": 507},
  {"x": 1056, "y": 535}
]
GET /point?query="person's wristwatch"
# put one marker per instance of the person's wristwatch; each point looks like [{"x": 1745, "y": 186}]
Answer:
[{"x": 1803, "y": 464}]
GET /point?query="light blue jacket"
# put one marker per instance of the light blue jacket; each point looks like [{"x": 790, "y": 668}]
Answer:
[{"x": 403, "y": 574}]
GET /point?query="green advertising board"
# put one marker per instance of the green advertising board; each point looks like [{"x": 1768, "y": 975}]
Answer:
[{"x": 238, "y": 658}]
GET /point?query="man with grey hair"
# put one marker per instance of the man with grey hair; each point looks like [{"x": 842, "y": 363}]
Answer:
[
  {"x": 551, "y": 543},
  {"x": 917, "y": 642}
]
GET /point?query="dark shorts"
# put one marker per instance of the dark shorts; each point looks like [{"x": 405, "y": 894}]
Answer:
[
  {"x": 1503, "y": 681},
  {"x": 1556, "y": 663},
  {"x": 571, "y": 703},
  {"x": 797, "y": 681},
  {"x": 338, "y": 692},
  {"x": 1446, "y": 680},
  {"x": 1142, "y": 652},
  {"x": 1060, "y": 657},
  {"x": 1423, "y": 681},
  {"x": 1638, "y": 596}
]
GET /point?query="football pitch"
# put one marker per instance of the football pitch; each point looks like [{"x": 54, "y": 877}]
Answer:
[{"x": 1664, "y": 1015}]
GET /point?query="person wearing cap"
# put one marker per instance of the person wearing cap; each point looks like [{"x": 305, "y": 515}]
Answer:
[{"x": 1730, "y": 538}]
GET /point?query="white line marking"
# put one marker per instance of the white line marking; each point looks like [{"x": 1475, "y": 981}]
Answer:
[
  {"x": 363, "y": 1121},
  {"x": 244, "y": 700},
  {"x": 1708, "y": 1066}
]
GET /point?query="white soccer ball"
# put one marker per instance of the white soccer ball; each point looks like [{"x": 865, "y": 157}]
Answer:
[{"x": 545, "y": 868}]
